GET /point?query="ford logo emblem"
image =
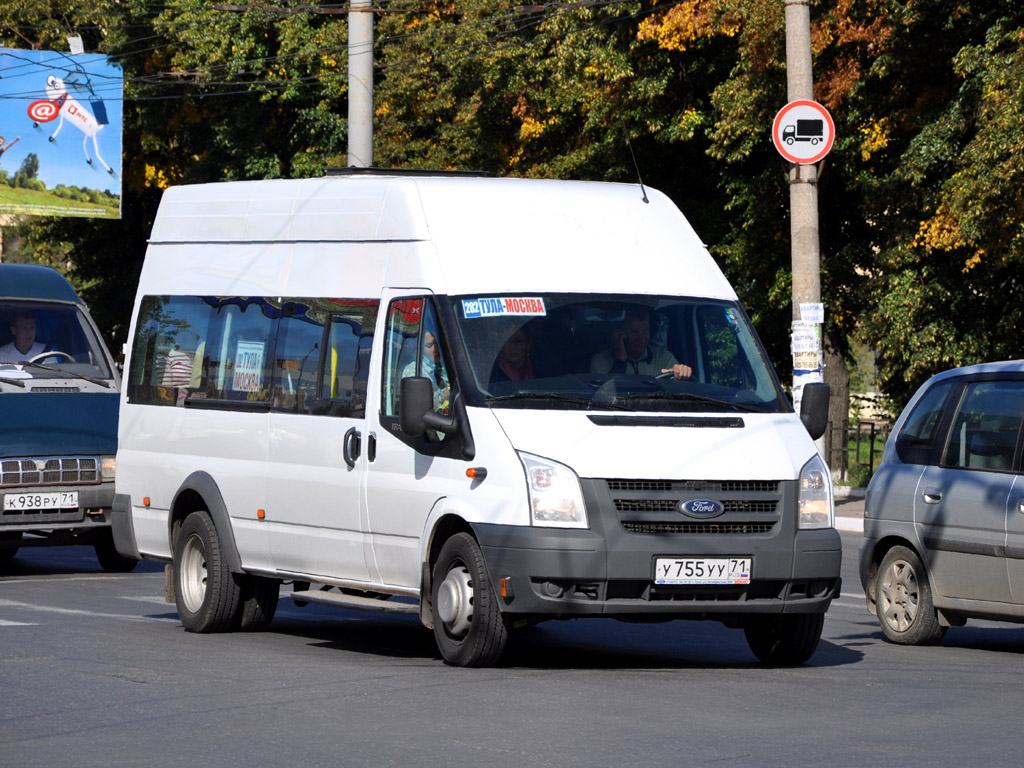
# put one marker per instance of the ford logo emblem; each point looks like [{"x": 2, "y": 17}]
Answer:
[{"x": 701, "y": 508}]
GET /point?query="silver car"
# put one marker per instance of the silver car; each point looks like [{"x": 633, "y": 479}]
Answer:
[{"x": 944, "y": 515}]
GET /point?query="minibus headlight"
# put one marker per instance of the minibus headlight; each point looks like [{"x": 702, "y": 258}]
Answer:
[
  {"x": 556, "y": 500},
  {"x": 107, "y": 466},
  {"x": 814, "y": 500}
]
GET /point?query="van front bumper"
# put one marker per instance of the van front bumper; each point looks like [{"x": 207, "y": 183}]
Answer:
[{"x": 608, "y": 569}]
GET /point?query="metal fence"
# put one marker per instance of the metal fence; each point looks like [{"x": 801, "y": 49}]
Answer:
[{"x": 854, "y": 450}]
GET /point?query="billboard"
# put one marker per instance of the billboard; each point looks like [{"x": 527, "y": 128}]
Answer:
[{"x": 60, "y": 134}]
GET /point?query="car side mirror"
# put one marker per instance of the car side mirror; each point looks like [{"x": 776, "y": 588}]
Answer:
[
  {"x": 814, "y": 408},
  {"x": 416, "y": 408}
]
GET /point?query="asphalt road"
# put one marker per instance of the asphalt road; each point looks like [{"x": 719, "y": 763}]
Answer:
[{"x": 96, "y": 670}]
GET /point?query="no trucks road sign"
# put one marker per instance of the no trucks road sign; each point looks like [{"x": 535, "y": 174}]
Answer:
[{"x": 803, "y": 132}]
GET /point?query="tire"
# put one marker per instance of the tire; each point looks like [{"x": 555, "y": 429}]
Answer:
[
  {"x": 784, "y": 639},
  {"x": 110, "y": 559},
  {"x": 207, "y": 594},
  {"x": 9, "y": 544},
  {"x": 259, "y": 597},
  {"x": 903, "y": 600},
  {"x": 468, "y": 626}
]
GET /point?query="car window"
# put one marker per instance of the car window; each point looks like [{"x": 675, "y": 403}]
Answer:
[
  {"x": 984, "y": 432},
  {"x": 915, "y": 441}
]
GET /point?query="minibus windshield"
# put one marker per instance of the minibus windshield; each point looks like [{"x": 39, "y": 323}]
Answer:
[
  {"x": 49, "y": 340},
  {"x": 615, "y": 352}
]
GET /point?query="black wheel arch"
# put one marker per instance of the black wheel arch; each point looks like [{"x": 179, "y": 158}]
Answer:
[
  {"x": 200, "y": 491},
  {"x": 446, "y": 527}
]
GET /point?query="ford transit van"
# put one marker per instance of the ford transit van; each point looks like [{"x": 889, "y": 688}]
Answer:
[
  {"x": 58, "y": 418},
  {"x": 486, "y": 402}
]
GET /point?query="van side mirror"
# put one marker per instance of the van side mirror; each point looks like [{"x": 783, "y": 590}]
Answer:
[
  {"x": 814, "y": 409},
  {"x": 416, "y": 408}
]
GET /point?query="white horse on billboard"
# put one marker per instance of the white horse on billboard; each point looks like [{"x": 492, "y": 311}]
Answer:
[{"x": 77, "y": 115}]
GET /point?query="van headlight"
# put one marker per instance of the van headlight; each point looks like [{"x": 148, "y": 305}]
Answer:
[
  {"x": 556, "y": 500},
  {"x": 814, "y": 501}
]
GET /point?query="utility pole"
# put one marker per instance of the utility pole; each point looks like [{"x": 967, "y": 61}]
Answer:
[
  {"x": 803, "y": 207},
  {"x": 360, "y": 84}
]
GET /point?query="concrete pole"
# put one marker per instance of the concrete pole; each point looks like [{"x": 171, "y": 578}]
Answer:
[
  {"x": 360, "y": 84},
  {"x": 803, "y": 179}
]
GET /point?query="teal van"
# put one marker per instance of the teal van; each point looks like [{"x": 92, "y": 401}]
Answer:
[{"x": 58, "y": 418}]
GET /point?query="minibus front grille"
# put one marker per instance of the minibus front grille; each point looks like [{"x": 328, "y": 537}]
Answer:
[
  {"x": 695, "y": 486},
  {"x": 671, "y": 505},
  {"x": 70, "y": 470},
  {"x": 697, "y": 528}
]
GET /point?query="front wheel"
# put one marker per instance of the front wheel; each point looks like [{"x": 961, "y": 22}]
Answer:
[
  {"x": 10, "y": 542},
  {"x": 903, "y": 600},
  {"x": 789, "y": 638},
  {"x": 468, "y": 626},
  {"x": 109, "y": 558},
  {"x": 206, "y": 592}
]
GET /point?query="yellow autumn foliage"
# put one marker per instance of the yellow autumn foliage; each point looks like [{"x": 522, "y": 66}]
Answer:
[{"x": 682, "y": 24}]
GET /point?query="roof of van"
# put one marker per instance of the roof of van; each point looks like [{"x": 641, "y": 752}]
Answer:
[
  {"x": 32, "y": 281},
  {"x": 503, "y": 232}
]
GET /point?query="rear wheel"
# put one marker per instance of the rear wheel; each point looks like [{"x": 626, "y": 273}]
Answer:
[
  {"x": 468, "y": 626},
  {"x": 903, "y": 600},
  {"x": 785, "y": 639},
  {"x": 206, "y": 592},
  {"x": 110, "y": 559}
]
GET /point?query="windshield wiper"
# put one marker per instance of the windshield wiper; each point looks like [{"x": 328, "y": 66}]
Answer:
[
  {"x": 44, "y": 367},
  {"x": 15, "y": 382},
  {"x": 585, "y": 402},
  {"x": 691, "y": 398}
]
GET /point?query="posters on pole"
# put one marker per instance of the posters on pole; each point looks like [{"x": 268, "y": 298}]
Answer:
[
  {"x": 60, "y": 123},
  {"x": 807, "y": 362}
]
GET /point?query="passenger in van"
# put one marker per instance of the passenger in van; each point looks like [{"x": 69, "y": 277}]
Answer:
[
  {"x": 24, "y": 347},
  {"x": 432, "y": 367},
  {"x": 513, "y": 362},
  {"x": 631, "y": 351},
  {"x": 177, "y": 368}
]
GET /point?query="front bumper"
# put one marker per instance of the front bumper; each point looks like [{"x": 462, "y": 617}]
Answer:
[{"x": 608, "y": 570}]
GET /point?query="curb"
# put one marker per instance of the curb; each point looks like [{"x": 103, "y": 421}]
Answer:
[{"x": 848, "y": 492}]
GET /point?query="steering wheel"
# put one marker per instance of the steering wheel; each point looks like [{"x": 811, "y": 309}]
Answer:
[
  {"x": 52, "y": 353},
  {"x": 666, "y": 375}
]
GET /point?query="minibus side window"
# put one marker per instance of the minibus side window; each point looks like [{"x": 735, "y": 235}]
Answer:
[
  {"x": 415, "y": 348},
  {"x": 346, "y": 360},
  {"x": 168, "y": 349},
  {"x": 239, "y": 352}
]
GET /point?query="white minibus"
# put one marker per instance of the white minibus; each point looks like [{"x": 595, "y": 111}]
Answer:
[{"x": 486, "y": 402}]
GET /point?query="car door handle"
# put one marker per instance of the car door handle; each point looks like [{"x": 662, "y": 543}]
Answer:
[
  {"x": 932, "y": 496},
  {"x": 350, "y": 447},
  {"x": 1020, "y": 505}
]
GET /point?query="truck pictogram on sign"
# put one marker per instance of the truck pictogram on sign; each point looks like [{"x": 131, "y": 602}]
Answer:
[{"x": 803, "y": 132}]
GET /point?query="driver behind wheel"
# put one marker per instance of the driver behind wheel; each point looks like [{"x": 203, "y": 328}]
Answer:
[
  {"x": 630, "y": 350},
  {"x": 24, "y": 347}
]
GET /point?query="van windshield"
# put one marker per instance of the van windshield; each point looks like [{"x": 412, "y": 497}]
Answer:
[
  {"x": 49, "y": 340},
  {"x": 617, "y": 352}
]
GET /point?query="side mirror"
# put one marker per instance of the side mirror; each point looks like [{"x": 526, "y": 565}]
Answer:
[
  {"x": 814, "y": 409},
  {"x": 416, "y": 408}
]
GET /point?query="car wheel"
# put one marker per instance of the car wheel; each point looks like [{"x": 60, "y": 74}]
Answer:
[
  {"x": 903, "y": 600},
  {"x": 468, "y": 626},
  {"x": 10, "y": 542},
  {"x": 109, "y": 558},
  {"x": 787, "y": 639},
  {"x": 206, "y": 592}
]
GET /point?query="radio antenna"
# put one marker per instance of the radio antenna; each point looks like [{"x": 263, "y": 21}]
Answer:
[{"x": 642, "y": 190}]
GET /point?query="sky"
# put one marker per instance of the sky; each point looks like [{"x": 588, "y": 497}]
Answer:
[{"x": 89, "y": 78}]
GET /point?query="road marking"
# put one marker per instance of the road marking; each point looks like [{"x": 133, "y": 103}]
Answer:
[
  {"x": 78, "y": 612},
  {"x": 5, "y": 623}
]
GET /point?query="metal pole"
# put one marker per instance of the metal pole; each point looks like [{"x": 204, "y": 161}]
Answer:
[{"x": 360, "y": 84}]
